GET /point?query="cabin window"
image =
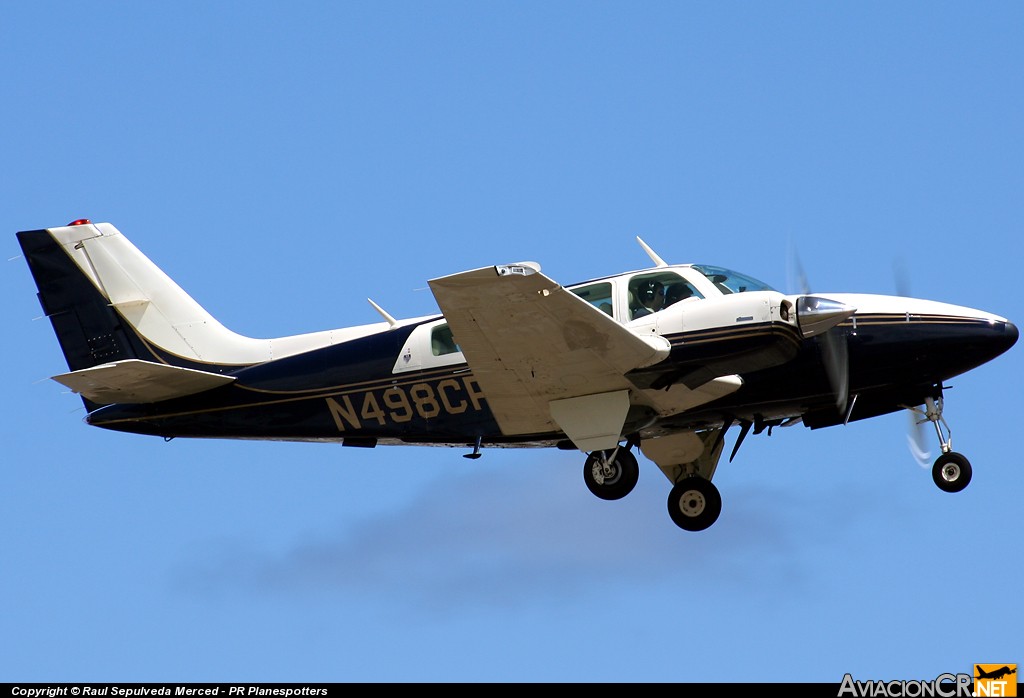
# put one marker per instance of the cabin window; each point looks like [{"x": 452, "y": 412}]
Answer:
[
  {"x": 442, "y": 342},
  {"x": 598, "y": 295}
]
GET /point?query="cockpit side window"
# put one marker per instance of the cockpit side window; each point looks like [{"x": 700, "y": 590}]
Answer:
[
  {"x": 728, "y": 281},
  {"x": 651, "y": 292},
  {"x": 680, "y": 291},
  {"x": 598, "y": 295},
  {"x": 442, "y": 342}
]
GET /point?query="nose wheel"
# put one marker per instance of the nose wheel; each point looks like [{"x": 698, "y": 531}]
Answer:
[{"x": 951, "y": 472}]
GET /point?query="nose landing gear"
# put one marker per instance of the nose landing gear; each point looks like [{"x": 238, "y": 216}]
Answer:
[{"x": 951, "y": 471}]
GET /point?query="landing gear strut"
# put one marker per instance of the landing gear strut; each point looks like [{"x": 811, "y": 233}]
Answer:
[
  {"x": 611, "y": 474},
  {"x": 951, "y": 471}
]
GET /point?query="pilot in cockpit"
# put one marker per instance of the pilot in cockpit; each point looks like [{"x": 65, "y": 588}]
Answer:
[
  {"x": 678, "y": 292},
  {"x": 651, "y": 295}
]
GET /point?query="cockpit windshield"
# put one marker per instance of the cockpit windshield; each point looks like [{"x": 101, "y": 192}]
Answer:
[{"x": 728, "y": 281}]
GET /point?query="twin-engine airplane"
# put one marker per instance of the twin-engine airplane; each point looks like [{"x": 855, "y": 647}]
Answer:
[{"x": 664, "y": 360}]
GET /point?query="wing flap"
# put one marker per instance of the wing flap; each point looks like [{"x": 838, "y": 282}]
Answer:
[
  {"x": 134, "y": 381},
  {"x": 679, "y": 398},
  {"x": 529, "y": 342},
  {"x": 592, "y": 422}
]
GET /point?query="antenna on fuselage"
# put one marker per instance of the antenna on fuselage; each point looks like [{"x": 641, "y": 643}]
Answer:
[
  {"x": 658, "y": 261},
  {"x": 391, "y": 321}
]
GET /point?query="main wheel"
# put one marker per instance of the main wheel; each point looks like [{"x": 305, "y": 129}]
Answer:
[
  {"x": 694, "y": 503},
  {"x": 613, "y": 479},
  {"x": 951, "y": 472}
]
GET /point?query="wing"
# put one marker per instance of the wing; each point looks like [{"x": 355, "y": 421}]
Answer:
[
  {"x": 137, "y": 381},
  {"x": 546, "y": 359}
]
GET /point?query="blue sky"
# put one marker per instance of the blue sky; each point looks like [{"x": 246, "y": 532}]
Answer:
[{"x": 285, "y": 161}]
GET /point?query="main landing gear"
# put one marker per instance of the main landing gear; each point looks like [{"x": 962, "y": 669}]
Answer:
[
  {"x": 611, "y": 474},
  {"x": 694, "y": 503},
  {"x": 951, "y": 471}
]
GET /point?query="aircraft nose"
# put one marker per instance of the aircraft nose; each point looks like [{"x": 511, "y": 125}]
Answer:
[
  {"x": 1010, "y": 335},
  {"x": 942, "y": 344},
  {"x": 997, "y": 339}
]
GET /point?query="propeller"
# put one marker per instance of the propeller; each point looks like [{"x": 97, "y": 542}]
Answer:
[
  {"x": 795, "y": 271},
  {"x": 900, "y": 278},
  {"x": 917, "y": 438},
  {"x": 836, "y": 356},
  {"x": 834, "y": 351}
]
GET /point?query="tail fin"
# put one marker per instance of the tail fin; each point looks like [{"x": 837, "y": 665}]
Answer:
[
  {"x": 124, "y": 327},
  {"x": 128, "y": 332},
  {"x": 107, "y": 302},
  {"x": 87, "y": 325}
]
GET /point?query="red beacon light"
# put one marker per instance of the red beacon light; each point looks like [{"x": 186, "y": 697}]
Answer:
[{"x": 81, "y": 221}]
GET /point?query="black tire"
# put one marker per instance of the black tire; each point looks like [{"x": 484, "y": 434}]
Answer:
[
  {"x": 620, "y": 481},
  {"x": 694, "y": 503},
  {"x": 952, "y": 472}
]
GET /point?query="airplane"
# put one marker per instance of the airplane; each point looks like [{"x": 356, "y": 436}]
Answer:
[
  {"x": 996, "y": 674},
  {"x": 662, "y": 360}
]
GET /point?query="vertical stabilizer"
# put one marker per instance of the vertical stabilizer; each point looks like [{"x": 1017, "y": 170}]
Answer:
[
  {"x": 108, "y": 302},
  {"x": 88, "y": 327}
]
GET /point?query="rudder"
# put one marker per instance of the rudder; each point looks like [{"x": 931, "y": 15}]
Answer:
[{"x": 89, "y": 330}]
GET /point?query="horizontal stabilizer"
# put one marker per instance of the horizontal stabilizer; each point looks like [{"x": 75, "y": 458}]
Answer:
[{"x": 135, "y": 381}]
